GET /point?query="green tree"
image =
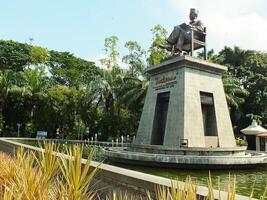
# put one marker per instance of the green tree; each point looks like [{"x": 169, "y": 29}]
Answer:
[
  {"x": 5, "y": 85},
  {"x": 249, "y": 68},
  {"x": 38, "y": 55},
  {"x": 235, "y": 94},
  {"x": 35, "y": 85},
  {"x": 89, "y": 110},
  {"x": 133, "y": 93},
  {"x": 110, "y": 49},
  {"x": 135, "y": 83},
  {"x": 159, "y": 34},
  {"x": 135, "y": 59},
  {"x": 66, "y": 69},
  {"x": 76, "y": 94},
  {"x": 61, "y": 111},
  {"x": 14, "y": 56}
]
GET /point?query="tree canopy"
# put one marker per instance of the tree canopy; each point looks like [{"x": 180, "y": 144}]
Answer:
[{"x": 49, "y": 90}]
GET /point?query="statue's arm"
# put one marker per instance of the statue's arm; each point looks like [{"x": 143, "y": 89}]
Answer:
[{"x": 199, "y": 26}]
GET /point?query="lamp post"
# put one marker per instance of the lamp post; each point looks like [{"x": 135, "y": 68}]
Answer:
[
  {"x": 57, "y": 133},
  {"x": 87, "y": 131},
  {"x": 122, "y": 141},
  {"x": 19, "y": 125}
]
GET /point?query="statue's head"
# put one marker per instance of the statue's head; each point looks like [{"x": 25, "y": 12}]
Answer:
[{"x": 193, "y": 14}]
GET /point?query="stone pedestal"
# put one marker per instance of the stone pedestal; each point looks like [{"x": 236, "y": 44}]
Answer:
[{"x": 185, "y": 106}]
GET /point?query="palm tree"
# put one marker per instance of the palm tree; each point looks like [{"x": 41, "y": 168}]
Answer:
[
  {"x": 5, "y": 85},
  {"x": 234, "y": 92},
  {"x": 35, "y": 81},
  {"x": 107, "y": 87},
  {"x": 33, "y": 89},
  {"x": 133, "y": 92}
]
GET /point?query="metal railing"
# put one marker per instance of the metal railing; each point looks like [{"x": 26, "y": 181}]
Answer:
[{"x": 116, "y": 143}]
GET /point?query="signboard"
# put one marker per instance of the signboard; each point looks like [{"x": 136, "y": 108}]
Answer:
[
  {"x": 41, "y": 134},
  {"x": 164, "y": 82}
]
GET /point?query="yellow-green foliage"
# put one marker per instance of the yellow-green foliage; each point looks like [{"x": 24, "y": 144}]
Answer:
[
  {"x": 122, "y": 196},
  {"x": 186, "y": 191},
  {"x": 46, "y": 176},
  {"x": 241, "y": 142},
  {"x": 76, "y": 180}
]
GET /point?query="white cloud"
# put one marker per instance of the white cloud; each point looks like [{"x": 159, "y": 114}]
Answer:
[
  {"x": 96, "y": 58},
  {"x": 229, "y": 22}
]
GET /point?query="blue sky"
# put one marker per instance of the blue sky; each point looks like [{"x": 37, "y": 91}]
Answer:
[{"x": 81, "y": 26}]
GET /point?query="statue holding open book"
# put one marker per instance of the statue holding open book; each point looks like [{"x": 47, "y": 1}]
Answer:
[{"x": 187, "y": 37}]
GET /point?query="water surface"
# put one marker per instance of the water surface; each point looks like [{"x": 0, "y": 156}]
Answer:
[{"x": 245, "y": 179}]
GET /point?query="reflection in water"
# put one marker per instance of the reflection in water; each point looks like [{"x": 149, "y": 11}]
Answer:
[{"x": 244, "y": 178}]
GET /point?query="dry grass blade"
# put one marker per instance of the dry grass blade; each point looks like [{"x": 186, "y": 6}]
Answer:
[
  {"x": 78, "y": 176},
  {"x": 48, "y": 161},
  {"x": 122, "y": 196},
  {"x": 176, "y": 192},
  {"x": 219, "y": 187},
  {"x": 7, "y": 171},
  {"x": 231, "y": 192},
  {"x": 210, "y": 188},
  {"x": 191, "y": 189},
  {"x": 26, "y": 179},
  {"x": 252, "y": 189},
  {"x": 264, "y": 196},
  {"x": 162, "y": 192}
]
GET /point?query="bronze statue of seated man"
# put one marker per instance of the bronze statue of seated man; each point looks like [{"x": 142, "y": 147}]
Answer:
[{"x": 181, "y": 34}]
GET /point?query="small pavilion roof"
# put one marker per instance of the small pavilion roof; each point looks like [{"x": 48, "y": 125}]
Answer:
[{"x": 254, "y": 129}]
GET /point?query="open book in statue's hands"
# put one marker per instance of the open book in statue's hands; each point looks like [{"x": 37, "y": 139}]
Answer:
[{"x": 185, "y": 26}]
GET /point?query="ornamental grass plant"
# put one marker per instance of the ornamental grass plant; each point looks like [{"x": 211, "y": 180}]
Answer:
[
  {"x": 46, "y": 176},
  {"x": 177, "y": 191}
]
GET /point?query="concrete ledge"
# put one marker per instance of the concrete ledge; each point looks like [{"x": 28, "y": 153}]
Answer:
[
  {"x": 112, "y": 178},
  {"x": 197, "y": 151},
  {"x": 191, "y": 161},
  {"x": 182, "y": 61}
]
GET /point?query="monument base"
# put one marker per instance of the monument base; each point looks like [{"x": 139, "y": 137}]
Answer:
[
  {"x": 185, "y": 120},
  {"x": 185, "y": 104},
  {"x": 194, "y": 158}
]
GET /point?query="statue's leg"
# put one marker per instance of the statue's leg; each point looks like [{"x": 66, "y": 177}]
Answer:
[
  {"x": 172, "y": 39},
  {"x": 180, "y": 42},
  {"x": 187, "y": 37}
]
